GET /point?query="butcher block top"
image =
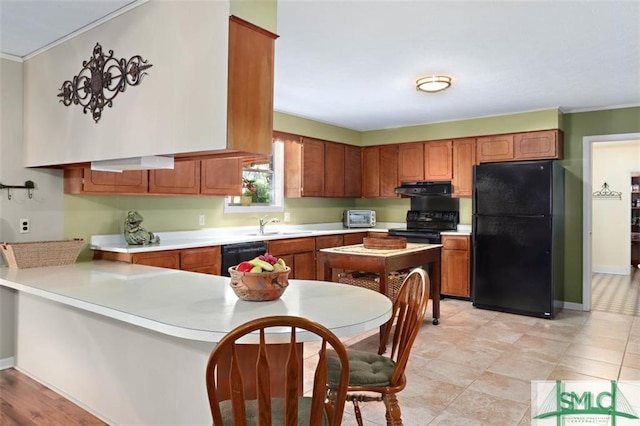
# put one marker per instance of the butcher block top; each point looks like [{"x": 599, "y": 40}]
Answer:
[{"x": 359, "y": 249}]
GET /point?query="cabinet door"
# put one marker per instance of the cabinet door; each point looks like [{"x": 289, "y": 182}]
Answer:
[
  {"x": 494, "y": 148},
  {"x": 536, "y": 145},
  {"x": 292, "y": 164},
  {"x": 352, "y": 171},
  {"x": 221, "y": 176},
  {"x": 410, "y": 162},
  {"x": 438, "y": 160},
  {"x": 304, "y": 266},
  {"x": 334, "y": 162},
  {"x": 371, "y": 172},
  {"x": 250, "y": 94},
  {"x": 388, "y": 171},
  {"x": 456, "y": 266},
  {"x": 464, "y": 155},
  {"x": 203, "y": 259},
  {"x": 326, "y": 241},
  {"x": 163, "y": 259},
  {"x": 312, "y": 167},
  {"x": 127, "y": 182},
  {"x": 184, "y": 178}
]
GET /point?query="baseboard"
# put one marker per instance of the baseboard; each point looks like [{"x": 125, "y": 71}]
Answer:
[
  {"x": 616, "y": 270},
  {"x": 571, "y": 306},
  {"x": 7, "y": 363}
]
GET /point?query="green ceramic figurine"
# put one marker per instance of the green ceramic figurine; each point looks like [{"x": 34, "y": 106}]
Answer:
[{"x": 135, "y": 234}]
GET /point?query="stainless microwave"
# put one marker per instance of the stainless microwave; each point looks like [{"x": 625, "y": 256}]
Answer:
[{"x": 359, "y": 218}]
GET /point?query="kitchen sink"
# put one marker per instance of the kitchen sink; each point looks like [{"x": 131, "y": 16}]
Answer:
[{"x": 267, "y": 233}]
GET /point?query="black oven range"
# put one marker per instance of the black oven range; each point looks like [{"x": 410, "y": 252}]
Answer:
[{"x": 432, "y": 212}]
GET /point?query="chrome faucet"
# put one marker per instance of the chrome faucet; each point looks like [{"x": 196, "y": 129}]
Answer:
[{"x": 264, "y": 221}]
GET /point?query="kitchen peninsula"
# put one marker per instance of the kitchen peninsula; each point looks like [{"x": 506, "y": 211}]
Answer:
[{"x": 130, "y": 343}]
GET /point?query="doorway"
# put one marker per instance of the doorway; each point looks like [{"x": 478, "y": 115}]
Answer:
[{"x": 587, "y": 207}]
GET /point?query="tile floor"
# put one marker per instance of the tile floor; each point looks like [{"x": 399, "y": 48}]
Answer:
[{"x": 476, "y": 366}]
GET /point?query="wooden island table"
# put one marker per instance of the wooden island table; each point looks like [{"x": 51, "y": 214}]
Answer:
[{"x": 383, "y": 261}]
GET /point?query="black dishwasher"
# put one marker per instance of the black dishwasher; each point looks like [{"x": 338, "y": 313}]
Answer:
[{"x": 232, "y": 254}]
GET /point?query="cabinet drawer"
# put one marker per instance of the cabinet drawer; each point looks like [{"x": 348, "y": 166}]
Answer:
[
  {"x": 205, "y": 257},
  {"x": 163, "y": 259},
  {"x": 327, "y": 241},
  {"x": 351, "y": 239},
  {"x": 455, "y": 242},
  {"x": 292, "y": 246}
]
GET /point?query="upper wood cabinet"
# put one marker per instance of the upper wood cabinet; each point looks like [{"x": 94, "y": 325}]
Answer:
[
  {"x": 539, "y": 145},
  {"x": 464, "y": 157},
  {"x": 216, "y": 176},
  {"x": 87, "y": 181},
  {"x": 411, "y": 162},
  {"x": 250, "y": 93},
  {"x": 438, "y": 160},
  {"x": 303, "y": 166},
  {"x": 389, "y": 171},
  {"x": 371, "y": 171},
  {"x": 184, "y": 178},
  {"x": 380, "y": 171},
  {"x": 334, "y": 169},
  {"x": 312, "y": 167},
  {"x": 352, "y": 171},
  {"x": 317, "y": 168},
  {"x": 221, "y": 176},
  {"x": 494, "y": 148}
]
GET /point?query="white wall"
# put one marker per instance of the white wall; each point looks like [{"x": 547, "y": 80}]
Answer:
[
  {"x": 613, "y": 163},
  {"x": 45, "y": 210}
]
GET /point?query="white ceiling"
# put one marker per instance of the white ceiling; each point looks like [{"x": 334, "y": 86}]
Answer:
[{"x": 354, "y": 63}]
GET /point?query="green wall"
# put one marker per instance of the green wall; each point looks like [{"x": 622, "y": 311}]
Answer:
[
  {"x": 576, "y": 126},
  {"x": 91, "y": 215}
]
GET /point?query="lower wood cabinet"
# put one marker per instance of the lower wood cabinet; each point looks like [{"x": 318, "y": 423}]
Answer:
[
  {"x": 456, "y": 266},
  {"x": 205, "y": 260},
  {"x": 298, "y": 253},
  {"x": 322, "y": 242}
]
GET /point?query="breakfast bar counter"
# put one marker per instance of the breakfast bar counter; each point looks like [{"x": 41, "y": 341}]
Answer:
[
  {"x": 383, "y": 261},
  {"x": 130, "y": 343}
]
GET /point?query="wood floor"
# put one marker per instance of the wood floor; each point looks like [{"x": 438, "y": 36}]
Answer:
[{"x": 26, "y": 402}]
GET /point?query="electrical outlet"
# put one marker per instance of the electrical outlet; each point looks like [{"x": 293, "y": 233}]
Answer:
[
  {"x": 201, "y": 220},
  {"x": 287, "y": 217},
  {"x": 24, "y": 226}
]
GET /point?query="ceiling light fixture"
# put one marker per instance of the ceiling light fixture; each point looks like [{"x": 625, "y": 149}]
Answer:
[{"x": 433, "y": 83}]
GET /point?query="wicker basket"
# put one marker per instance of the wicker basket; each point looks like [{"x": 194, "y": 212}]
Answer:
[
  {"x": 41, "y": 253},
  {"x": 372, "y": 281}
]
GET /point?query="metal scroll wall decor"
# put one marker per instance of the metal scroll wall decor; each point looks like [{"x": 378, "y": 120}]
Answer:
[
  {"x": 605, "y": 193},
  {"x": 101, "y": 79}
]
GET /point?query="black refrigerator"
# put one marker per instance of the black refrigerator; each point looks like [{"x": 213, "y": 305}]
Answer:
[{"x": 518, "y": 234}]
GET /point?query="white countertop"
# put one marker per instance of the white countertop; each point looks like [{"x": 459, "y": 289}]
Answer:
[
  {"x": 191, "y": 305},
  {"x": 221, "y": 236}
]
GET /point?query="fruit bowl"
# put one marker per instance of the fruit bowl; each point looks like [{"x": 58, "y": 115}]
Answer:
[{"x": 259, "y": 286}]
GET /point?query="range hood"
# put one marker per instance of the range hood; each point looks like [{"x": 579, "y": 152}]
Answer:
[
  {"x": 119, "y": 165},
  {"x": 425, "y": 188}
]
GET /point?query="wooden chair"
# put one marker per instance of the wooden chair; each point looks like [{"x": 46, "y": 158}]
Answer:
[
  {"x": 251, "y": 389},
  {"x": 384, "y": 375}
]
